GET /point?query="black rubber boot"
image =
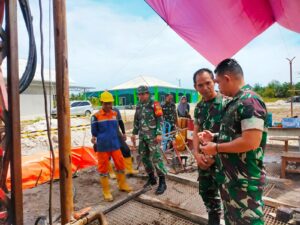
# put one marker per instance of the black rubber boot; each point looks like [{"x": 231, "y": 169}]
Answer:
[
  {"x": 151, "y": 180},
  {"x": 161, "y": 185},
  {"x": 214, "y": 218}
]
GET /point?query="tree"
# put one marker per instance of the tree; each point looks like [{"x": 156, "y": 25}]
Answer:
[
  {"x": 95, "y": 101},
  {"x": 297, "y": 88},
  {"x": 258, "y": 89}
]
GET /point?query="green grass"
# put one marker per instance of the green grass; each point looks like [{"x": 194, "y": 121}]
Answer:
[
  {"x": 267, "y": 99},
  {"x": 29, "y": 122}
]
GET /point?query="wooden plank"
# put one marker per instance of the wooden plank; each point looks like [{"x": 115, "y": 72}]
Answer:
[
  {"x": 279, "y": 181},
  {"x": 291, "y": 155},
  {"x": 173, "y": 208},
  {"x": 279, "y": 131},
  {"x": 187, "y": 181},
  {"x": 292, "y": 170},
  {"x": 284, "y": 138},
  {"x": 275, "y": 203}
]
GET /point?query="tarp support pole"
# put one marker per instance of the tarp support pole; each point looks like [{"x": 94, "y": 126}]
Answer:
[
  {"x": 14, "y": 136},
  {"x": 63, "y": 109}
]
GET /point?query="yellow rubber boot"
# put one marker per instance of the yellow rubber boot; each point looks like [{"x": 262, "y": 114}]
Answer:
[
  {"x": 123, "y": 186},
  {"x": 111, "y": 171},
  {"x": 128, "y": 166},
  {"x": 106, "y": 189}
]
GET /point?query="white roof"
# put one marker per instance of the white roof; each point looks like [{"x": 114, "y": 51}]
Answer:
[
  {"x": 143, "y": 80},
  {"x": 37, "y": 77}
]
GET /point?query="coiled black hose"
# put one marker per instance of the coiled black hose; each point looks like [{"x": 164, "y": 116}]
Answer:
[{"x": 29, "y": 72}]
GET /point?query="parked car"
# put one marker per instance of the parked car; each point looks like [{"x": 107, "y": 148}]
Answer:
[
  {"x": 130, "y": 106},
  {"x": 77, "y": 108},
  {"x": 295, "y": 99}
]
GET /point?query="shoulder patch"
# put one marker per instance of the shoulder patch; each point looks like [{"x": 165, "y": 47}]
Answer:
[{"x": 157, "y": 109}]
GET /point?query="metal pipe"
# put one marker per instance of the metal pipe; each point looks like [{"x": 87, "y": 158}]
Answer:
[
  {"x": 130, "y": 197},
  {"x": 291, "y": 84},
  {"x": 90, "y": 218},
  {"x": 14, "y": 136},
  {"x": 63, "y": 109},
  {"x": 100, "y": 215}
]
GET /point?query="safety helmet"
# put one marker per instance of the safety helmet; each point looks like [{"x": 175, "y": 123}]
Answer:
[{"x": 106, "y": 97}]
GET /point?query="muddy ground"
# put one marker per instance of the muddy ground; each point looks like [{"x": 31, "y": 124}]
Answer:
[
  {"x": 88, "y": 193},
  {"x": 88, "y": 190},
  {"x": 86, "y": 184}
]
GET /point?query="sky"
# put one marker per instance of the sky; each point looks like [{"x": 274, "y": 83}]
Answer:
[{"x": 113, "y": 41}]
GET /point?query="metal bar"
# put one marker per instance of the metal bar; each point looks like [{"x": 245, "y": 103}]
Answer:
[
  {"x": 291, "y": 84},
  {"x": 14, "y": 137},
  {"x": 63, "y": 109},
  {"x": 130, "y": 197},
  {"x": 91, "y": 218}
]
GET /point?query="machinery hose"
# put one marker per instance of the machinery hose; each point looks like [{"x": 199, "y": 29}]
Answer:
[{"x": 29, "y": 72}]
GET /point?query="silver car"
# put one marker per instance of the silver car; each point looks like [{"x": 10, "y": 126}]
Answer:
[{"x": 77, "y": 108}]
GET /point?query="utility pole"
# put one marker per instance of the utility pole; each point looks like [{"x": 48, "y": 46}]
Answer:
[
  {"x": 179, "y": 82},
  {"x": 63, "y": 109},
  {"x": 291, "y": 83}
]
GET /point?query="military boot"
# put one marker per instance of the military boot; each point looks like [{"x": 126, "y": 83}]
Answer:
[
  {"x": 162, "y": 186},
  {"x": 151, "y": 180},
  {"x": 214, "y": 218}
]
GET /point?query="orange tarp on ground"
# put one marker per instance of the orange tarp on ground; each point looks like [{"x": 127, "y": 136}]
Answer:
[{"x": 36, "y": 168}]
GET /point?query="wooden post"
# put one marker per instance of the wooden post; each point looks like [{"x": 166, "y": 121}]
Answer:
[
  {"x": 14, "y": 137},
  {"x": 63, "y": 109}
]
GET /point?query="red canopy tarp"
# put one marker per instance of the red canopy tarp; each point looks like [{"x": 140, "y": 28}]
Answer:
[
  {"x": 36, "y": 168},
  {"x": 218, "y": 29}
]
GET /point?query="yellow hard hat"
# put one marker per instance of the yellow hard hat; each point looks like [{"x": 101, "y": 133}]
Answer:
[{"x": 106, "y": 97}]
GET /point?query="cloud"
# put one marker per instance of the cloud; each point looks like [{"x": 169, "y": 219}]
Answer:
[
  {"x": 108, "y": 47},
  {"x": 264, "y": 59}
]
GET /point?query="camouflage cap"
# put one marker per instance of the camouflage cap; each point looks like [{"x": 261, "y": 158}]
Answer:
[{"x": 143, "y": 89}]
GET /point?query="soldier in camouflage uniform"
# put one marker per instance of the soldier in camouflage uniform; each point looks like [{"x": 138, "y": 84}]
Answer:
[
  {"x": 239, "y": 148},
  {"x": 207, "y": 116},
  {"x": 147, "y": 124},
  {"x": 169, "y": 111},
  {"x": 170, "y": 117}
]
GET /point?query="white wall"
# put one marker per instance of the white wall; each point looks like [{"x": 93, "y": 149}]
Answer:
[{"x": 32, "y": 102}]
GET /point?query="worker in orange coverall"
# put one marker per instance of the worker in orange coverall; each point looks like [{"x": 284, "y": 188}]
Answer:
[{"x": 104, "y": 128}]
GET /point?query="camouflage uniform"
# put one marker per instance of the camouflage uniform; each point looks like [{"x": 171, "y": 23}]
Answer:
[
  {"x": 242, "y": 174},
  {"x": 208, "y": 117},
  {"x": 170, "y": 115},
  {"x": 148, "y": 126}
]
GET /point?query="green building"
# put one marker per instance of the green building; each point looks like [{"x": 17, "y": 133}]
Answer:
[{"x": 126, "y": 93}]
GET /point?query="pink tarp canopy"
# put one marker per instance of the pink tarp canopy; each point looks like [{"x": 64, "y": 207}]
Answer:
[{"x": 218, "y": 29}]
